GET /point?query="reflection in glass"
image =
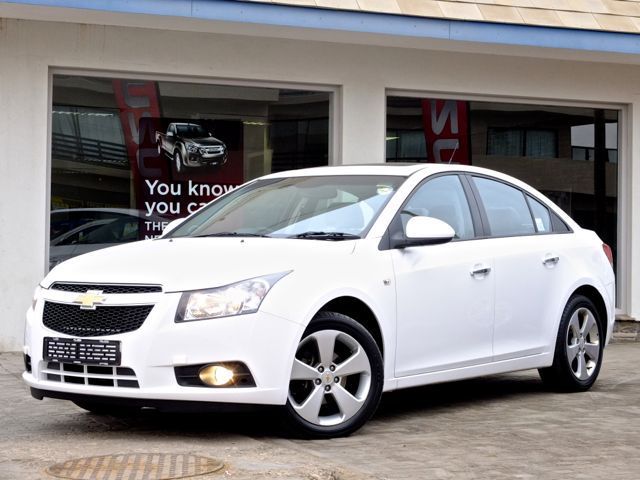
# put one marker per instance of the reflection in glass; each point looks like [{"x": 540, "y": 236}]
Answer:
[
  {"x": 128, "y": 156},
  {"x": 568, "y": 153}
]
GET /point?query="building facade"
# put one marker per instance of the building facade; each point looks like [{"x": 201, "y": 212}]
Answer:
[{"x": 118, "y": 116}]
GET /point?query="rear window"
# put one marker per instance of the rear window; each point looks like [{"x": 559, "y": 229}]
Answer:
[{"x": 506, "y": 208}]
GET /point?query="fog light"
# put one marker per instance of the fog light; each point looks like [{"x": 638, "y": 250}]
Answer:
[{"x": 216, "y": 375}]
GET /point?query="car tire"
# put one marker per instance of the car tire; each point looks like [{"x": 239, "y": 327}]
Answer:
[
  {"x": 159, "y": 142},
  {"x": 579, "y": 348},
  {"x": 336, "y": 379},
  {"x": 177, "y": 157}
]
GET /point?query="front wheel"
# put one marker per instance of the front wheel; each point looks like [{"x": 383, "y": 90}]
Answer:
[
  {"x": 177, "y": 157},
  {"x": 579, "y": 348},
  {"x": 336, "y": 379}
]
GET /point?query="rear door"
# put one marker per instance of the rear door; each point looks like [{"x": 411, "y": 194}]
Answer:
[{"x": 529, "y": 267}]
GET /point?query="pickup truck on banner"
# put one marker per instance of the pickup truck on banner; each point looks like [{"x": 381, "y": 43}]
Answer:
[{"x": 191, "y": 145}]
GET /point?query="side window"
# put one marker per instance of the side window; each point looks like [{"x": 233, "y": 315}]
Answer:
[
  {"x": 506, "y": 208},
  {"x": 541, "y": 216},
  {"x": 558, "y": 224},
  {"x": 442, "y": 198}
]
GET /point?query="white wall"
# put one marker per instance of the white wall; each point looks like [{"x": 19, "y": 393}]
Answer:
[{"x": 361, "y": 74}]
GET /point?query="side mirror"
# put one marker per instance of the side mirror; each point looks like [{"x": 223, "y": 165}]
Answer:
[
  {"x": 423, "y": 231},
  {"x": 172, "y": 225}
]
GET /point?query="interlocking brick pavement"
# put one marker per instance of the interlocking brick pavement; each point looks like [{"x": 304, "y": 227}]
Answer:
[{"x": 498, "y": 427}]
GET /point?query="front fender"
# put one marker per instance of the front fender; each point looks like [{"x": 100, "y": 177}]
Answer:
[{"x": 298, "y": 297}]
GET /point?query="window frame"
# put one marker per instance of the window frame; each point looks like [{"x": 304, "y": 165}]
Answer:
[
  {"x": 625, "y": 275},
  {"x": 335, "y": 142},
  {"x": 554, "y": 217},
  {"x": 395, "y": 225}
]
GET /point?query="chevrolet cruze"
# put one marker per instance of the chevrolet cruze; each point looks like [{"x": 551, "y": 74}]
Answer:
[{"x": 320, "y": 289}]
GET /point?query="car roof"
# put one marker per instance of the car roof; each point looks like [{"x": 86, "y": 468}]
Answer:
[{"x": 394, "y": 169}]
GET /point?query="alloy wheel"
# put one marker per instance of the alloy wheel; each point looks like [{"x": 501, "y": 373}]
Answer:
[
  {"x": 583, "y": 343},
  {"x": 330, "y": 379}
]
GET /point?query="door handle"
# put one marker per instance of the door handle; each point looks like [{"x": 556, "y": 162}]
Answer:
[
  {"x": 550, "y": 261},
  {"x": 480, "y": 270}
]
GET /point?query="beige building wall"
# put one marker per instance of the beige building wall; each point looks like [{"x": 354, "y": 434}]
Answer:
[{"x": 359, "y": 75}]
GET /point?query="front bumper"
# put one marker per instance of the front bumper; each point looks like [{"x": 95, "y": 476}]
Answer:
[
  {"x": 197, "y": 159},
  {"x": 265, "y": 343}
]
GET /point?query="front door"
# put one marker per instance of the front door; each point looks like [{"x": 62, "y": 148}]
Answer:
[{"x": 445, "y": 293}]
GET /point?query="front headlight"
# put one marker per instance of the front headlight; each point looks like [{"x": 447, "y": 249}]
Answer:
[
  {"x": 192, "y": 147},
  {"x": 235, "y": 299}
]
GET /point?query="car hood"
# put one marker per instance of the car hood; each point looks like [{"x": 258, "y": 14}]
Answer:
[
  {"x": 194, "y": 263},
  {"x": 204, "y": 141}
]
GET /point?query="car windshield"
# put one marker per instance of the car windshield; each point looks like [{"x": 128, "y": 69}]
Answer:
[
  {"x": 335, "y": 207},
  {"x": 191, "y": 130}
]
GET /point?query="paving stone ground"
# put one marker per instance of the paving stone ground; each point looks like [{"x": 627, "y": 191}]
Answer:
[{"x": 498, "y": 427}]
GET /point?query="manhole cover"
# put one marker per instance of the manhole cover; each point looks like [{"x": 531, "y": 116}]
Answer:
[{"x": 140, "y": 466}]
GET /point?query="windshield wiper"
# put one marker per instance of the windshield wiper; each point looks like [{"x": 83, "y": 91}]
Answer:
[
  {"x": 326, "y": 236},
  {"x": 231, "y": 234}
]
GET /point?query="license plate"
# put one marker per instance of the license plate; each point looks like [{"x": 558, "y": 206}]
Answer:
[{"x": 82, "y": 351}]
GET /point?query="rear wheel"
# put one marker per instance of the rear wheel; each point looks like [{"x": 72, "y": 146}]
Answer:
[
  {"x": 336, "y": 379},
  {"x": 579, "y": 348}
]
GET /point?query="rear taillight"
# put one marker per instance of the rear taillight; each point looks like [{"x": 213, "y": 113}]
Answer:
[{"x": 608, "y": 253}]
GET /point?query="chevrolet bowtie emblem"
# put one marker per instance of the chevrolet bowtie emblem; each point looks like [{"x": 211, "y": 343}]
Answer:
[{"x": 88, "y": 300}]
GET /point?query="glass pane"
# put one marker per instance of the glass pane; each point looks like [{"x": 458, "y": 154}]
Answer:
[
  {"x": 568, "y": 153},
  {"x": 128, "y": 156},
  {"x": 505, "y": 142},
  {"x": 540, "y": 216},
  {"x": 442, "y": 198},
  {"x": 540, "y": 143},
  {"x": 412, "y": 145},
  {"x": 506, "y": 209},
  {"x": 331, "y": 204}
]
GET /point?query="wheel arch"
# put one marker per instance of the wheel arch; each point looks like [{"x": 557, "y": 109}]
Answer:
[
  {"x": 595, "y": 296},
  {"x": 361, "y": 312},
  {"x": 179, "y": 147}
]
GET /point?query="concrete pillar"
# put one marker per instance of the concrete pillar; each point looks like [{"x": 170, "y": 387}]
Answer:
[
  {"x": 362, "y": 113},
  {"x": 23, "y": 181},
  {"x": 631, "y": 213}
]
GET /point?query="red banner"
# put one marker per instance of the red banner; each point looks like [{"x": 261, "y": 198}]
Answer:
[
  {"x": 136, "y": 100},
  {"x": 446, "y": 130}
]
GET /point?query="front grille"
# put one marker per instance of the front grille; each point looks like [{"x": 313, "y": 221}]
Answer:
[
  {"x": 90, "y": 375},
  {"x": 104, "y": 320},
  {"x": 106, "y": 289},
  {"x": 212, "y": 150}
]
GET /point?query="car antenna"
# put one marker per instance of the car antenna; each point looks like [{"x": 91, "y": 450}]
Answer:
[{"x": 454, "y": 152}]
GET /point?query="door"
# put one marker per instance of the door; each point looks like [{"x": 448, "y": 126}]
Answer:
[
  {"x": 529, "y": 264},
  {"x": 445, "y": 293}
]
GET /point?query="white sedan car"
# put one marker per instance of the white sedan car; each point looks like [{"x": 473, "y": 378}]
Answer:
[{"x": 320, "y": 289}]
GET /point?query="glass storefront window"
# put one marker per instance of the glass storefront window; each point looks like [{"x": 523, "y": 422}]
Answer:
[
  {"x": 128, "y": 156},
  {"x": 568, "y": 153}
]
